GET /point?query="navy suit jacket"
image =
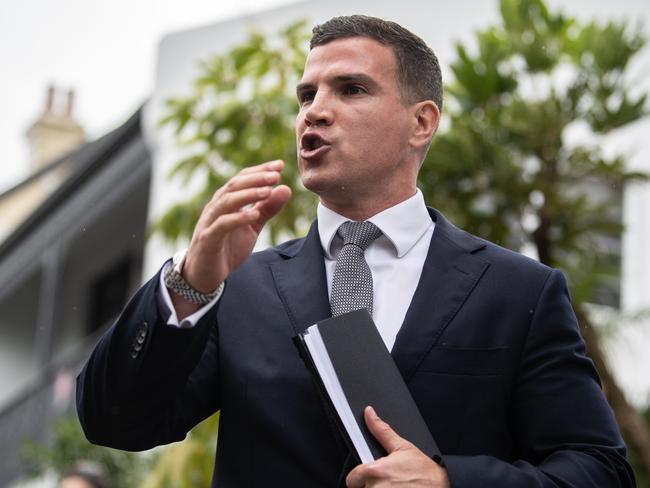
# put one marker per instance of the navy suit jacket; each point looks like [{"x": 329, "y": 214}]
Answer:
[{"x": 490, "y": 350}]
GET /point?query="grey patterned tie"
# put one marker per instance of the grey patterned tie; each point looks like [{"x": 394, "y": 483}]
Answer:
[{"x": 352, "y": 281}]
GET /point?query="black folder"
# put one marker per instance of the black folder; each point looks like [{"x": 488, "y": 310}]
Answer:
[{"x": 365, "y": 373}]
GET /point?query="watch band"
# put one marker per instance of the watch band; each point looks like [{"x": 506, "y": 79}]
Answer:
[{"x": 174, "y": 281}]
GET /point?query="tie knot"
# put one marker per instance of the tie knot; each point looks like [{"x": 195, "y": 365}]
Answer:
[{"x": 358, "y": 233}]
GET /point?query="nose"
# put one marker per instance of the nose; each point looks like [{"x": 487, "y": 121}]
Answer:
[{"x": 319, "y": 111}]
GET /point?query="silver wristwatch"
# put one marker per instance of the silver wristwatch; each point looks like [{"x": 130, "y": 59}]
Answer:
[{"x": 174, "y": 281}]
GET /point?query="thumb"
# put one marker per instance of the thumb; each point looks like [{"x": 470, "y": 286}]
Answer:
[
  {"x": 386, "y": 436},
  {"x": 272, "y": 205}
]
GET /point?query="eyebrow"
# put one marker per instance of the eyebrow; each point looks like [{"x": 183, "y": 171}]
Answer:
[{"x": 345, "y": 78}]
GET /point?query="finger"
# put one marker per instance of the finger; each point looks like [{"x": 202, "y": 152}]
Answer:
[
  {"x": 276, "y": 165},
  {"x": 235, "y": 201},
  {"x": 356, "y": 478},
  {"x": 250, "y": 180},
  {"x": 386, "y": 436},
  {"x": 270, "y": 206},
  {"x": 212, "y": 237},
  {"x": 266, "y": 173}
]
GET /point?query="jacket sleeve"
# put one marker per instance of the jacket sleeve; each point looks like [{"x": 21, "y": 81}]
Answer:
[
  {"x": 147, "y": 383},
  {"x": 563, "y": 429}
]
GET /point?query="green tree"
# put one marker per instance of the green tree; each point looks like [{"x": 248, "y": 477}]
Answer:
[
  {"x": 503, "y": 165},
  {"x": 507, "y": 169},
  {"x": 69, "y": 445},
  {"x": 187, "y": 464},
  {"x": 242, "y": 111}
]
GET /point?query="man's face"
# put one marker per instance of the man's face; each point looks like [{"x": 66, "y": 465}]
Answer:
[{"x": 353, "y": 128}]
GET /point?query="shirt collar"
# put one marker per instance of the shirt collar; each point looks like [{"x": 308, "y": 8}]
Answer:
[{"x": 403, "y": 224}]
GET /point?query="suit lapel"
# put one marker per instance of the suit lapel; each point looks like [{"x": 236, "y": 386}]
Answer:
[
  {"x": 300, "y": 281},
  {"x": 450, "y": 273}
]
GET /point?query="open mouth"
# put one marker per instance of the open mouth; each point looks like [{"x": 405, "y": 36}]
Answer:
[
  {"x": 313, "y": 146},
  {"x": 312, "y": 142}
]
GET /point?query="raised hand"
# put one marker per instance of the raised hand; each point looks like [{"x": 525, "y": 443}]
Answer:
[{"x": 229, "y": 226}]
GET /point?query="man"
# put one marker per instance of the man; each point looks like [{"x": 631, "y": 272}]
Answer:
[{"x": 485, "y": 338}]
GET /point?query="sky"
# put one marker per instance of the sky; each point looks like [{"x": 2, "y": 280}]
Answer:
[{"x": 105, "y": 51}]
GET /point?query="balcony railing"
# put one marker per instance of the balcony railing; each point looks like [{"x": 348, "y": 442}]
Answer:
[{"x": 31, "y": 415}]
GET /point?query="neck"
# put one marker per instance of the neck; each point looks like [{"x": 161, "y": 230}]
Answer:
[{"x": 359, "y": 210}]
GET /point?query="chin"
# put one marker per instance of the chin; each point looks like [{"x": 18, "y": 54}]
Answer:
[
  {"x": 326, "y": 182},
  {"x": 314, "y": 184},
  {"x": 318, "y": 184}
]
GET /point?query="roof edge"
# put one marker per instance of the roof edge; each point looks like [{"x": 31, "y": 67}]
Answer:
[{"x": 107, "y": 146}]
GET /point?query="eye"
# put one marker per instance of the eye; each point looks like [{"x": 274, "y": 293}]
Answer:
[
  {"x": 306, "y": 96},
  {"x": 353, "y": 90}
]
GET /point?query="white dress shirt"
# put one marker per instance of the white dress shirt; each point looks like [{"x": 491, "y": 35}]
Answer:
[{"x": 395, "y": 260}]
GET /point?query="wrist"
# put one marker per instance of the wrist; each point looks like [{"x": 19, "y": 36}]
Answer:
[{"x": 175, "y": 281}]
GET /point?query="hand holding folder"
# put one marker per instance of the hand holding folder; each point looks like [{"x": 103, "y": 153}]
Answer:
[
  {"x": 353, "y": 369},
  {"x": 405, "y": 464}
]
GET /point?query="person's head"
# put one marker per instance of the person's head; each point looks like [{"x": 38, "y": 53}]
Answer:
[
  {"x": 418, "y": 70},
  {"x": 83, "y": 475},
  {"x": 365, "y": 124}
]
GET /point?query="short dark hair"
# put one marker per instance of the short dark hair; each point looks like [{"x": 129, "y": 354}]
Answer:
[{"x": 418, "y": 70}]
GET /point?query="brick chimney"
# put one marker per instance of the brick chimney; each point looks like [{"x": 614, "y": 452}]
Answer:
[{"x": 56, "y": 131}]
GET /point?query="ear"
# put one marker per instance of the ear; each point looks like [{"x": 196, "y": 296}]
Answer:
[{"x": 426, "y": 117}]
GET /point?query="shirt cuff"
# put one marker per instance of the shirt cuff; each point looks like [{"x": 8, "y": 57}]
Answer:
[{"x": 190, "y": 320}]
